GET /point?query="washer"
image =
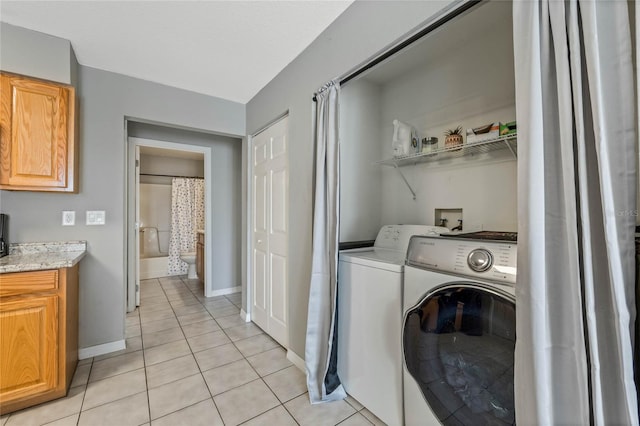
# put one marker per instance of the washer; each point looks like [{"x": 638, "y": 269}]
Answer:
[
  {"x": 369, "y": 317},
  {"x": 458, "y": 331}
]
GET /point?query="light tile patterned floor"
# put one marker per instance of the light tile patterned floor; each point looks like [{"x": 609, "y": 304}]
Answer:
[{"x": 190, "y": 360}]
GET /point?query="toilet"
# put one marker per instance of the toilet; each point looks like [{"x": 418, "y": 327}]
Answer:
[{"x": 190, "y": 259}]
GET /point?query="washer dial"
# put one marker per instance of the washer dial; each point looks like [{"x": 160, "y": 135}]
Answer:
[{"x": 480, "y": 260}]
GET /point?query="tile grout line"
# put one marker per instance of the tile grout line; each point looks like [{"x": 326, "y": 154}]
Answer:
[
  {"x": 178, "y": 291},
  {"x": 189, "y": 346},
  {"x": 192, "y": 355},
  {"x": 104, "y": 378},
  {"x": 144, "y": 360},
  {"x": 282, "y": 403},
  {"x": 109, "y": 377},
  {"x": 260, "y": 377},
  {"x": 196, "y": 361},
  {"x": 251, "y": 366},
  {"x": 84, "y": 393}
]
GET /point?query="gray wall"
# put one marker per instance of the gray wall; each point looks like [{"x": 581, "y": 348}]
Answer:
[
  {"x": 364, "y": 29},
  {"x": 105, "y": 101},
  {"x": 169, "y": 166},
  {"x": 360, "y": 178},
  {"x": 470, "y": 83},
  {"x": 36, "y": 54},
  {"x": 461, "y": 75},
  {"x": 226, "y": 190}
]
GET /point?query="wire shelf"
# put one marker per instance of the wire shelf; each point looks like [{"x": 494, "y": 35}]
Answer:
[{"x": 509, "y": 142}]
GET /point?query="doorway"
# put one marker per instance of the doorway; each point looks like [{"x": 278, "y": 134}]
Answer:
[
  {"x": 135, "y": 145},
  {"x": 269, "y": 230}
]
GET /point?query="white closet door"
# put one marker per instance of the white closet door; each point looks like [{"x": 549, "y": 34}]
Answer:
[
  {"x": 259, "y": 311},
  {"x": 270, "y": 231}
]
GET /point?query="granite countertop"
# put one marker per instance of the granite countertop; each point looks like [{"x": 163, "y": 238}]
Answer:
[{"x": 41, "y": 256}]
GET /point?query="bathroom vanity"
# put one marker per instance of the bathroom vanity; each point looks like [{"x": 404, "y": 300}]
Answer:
[
  {"x": 200, "y": 255},
  {"x": 38, "y": 322}
]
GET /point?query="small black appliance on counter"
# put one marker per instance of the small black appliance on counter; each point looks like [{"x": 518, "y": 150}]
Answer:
[{"x": 4, "y": 239}]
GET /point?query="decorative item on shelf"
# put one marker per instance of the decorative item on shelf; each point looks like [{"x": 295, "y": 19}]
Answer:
[
  {"x": 483, "y": 133},
  {"x": 453, "y": 137},
  {"x": 429, "y": 145},
  {"x": 405, "y": 139},
  {"x": 508, "y": 128}
]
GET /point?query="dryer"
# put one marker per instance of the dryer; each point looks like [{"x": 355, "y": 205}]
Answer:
[
  {"x": 458, "y": 331},
  {"x": 369, "y": 317}
]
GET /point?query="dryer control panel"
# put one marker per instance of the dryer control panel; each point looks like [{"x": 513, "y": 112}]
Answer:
[
  {"x": 489, "y": 260},
  {"x": 396, "y": 237}
]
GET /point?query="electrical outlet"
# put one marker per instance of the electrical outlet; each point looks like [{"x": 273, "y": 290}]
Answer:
[
  {"x": 68, "y": 218},
  {"x": 96, "y": 217}
]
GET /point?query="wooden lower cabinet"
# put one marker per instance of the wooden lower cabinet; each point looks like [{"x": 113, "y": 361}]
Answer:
[
  {"x": 38, "y": 336},
  {"x": 200, "y": 256}
]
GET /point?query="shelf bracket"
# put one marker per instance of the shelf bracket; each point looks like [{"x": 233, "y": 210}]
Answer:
[
  {"x": 506, "y": 141},
  {"x": 395, "y": 166}
]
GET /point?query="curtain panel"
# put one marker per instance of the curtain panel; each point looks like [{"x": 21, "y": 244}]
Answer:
[
  {"x": 577, "y": 178},
  {"x": 321, "y": 340}
]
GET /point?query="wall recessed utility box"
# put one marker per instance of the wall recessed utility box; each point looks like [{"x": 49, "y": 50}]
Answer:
[{"x": 449, "y": 218}]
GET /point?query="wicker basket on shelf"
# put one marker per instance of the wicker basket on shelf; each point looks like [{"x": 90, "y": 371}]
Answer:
[{"x": 453, "y": 137}]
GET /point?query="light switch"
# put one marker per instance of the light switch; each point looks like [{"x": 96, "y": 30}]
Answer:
[
  {"x": 95, "y": 217},
  {"x": 68, "y": 218}
]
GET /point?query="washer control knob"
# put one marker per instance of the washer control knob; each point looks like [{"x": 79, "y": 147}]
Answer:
[{"x": 480, "y": 260}]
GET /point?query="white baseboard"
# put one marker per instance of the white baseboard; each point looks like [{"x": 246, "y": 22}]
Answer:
[
  {"x": 245, "y": 316},
  {"x": 296, "y": 360},
  {"x": 105, "y": 348},
  {"x": 225, "y": 291}
]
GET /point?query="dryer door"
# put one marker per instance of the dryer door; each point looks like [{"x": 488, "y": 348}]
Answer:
[{"x": 458, "y": 346}]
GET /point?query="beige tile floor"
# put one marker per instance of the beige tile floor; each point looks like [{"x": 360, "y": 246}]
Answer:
[{"x": 190, "y": 360}]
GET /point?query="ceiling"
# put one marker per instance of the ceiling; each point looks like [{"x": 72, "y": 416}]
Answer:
[
  {"x": 494, "y": 16},
  {"x": 228, "y": 49}
]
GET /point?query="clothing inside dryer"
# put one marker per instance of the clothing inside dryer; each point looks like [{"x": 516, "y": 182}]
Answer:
[{"x": 459, "y": 347}]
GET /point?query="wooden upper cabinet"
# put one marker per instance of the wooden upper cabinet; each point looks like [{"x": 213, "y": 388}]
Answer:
[{"x": 37, "y": 135}]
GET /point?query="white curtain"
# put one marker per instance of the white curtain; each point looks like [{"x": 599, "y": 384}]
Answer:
[
  {"x": 576, "y": 197},
  {"x": 637, "y": 336},
  {"x": 187, "y": 216},
  {"x": 321, "y": 348}
]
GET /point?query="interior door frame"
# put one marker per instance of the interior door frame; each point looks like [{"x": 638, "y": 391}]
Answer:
[
  {"x": 131, "y": 226},
  {"x": 249, "y": 225},
  {"x": 136, "y": 217}
]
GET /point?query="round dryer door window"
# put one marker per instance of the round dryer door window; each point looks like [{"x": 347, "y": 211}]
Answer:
[{"x": 459, "y": 347}]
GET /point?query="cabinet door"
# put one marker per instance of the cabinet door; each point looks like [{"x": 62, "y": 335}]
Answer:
[
  {"x": 28, "y": 347},
  {"x": 37, "y": 149}
]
